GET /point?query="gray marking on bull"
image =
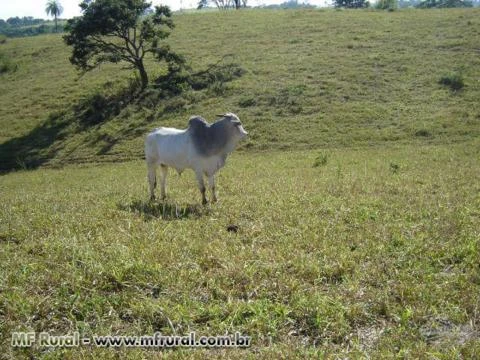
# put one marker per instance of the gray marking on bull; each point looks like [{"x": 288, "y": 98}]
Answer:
[{"x": 210, "y": 139}]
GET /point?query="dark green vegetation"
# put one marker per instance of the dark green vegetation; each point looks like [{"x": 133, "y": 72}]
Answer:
[
  {"x": 27, "y": 26},
  {"x": 328, "y": 78},
  {"x": 445, "y": 4},
  {"x": 355, "y": 228},
  {"x": 351, "y": 4},
  {"x": 454, "y": 81},
  {"x": 6, "y": 64},
  {"x": 118, "y": 32}
]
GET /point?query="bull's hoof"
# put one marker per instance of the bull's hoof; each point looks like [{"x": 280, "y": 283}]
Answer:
[
  {"x": 152, "y": 198},
  {"x": 204, "y": 202}
]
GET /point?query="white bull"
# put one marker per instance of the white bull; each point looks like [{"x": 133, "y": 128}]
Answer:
[{"x": 202, "y": 147}]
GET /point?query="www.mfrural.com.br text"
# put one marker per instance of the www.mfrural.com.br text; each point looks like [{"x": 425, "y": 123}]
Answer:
[{"x": 157, "y": 340}]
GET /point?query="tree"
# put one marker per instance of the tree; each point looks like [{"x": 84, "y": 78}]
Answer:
[
  {"x": 14, "y": 21},
  {"x": 444, "y": 4},
  {"x": 202, "y": 4},
  {"x": 352, "y": 4},
  {"x": 119, "y": 31},
  {"x": 386, "y": 5},
  {"x": 55, "y": 9},
  {"x": 222, "y": 4}
]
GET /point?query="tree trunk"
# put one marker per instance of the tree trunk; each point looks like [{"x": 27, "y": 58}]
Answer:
[
  {"x": 56, "y": 30},
  {"x": 143, "y": 74}
]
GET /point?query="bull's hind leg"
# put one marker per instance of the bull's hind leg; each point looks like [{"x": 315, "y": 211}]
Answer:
[
  {"x": 201, "y": 186},
  {"x": 163, "y": 183},
  {"x": 152, "y": 179},
  {"x": 211, "y": 183}
]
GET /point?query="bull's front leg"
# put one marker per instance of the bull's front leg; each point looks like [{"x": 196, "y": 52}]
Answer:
[
  {"x": 201, "y": 186},
  {"x": 211, "y": 183},
  {"x": 152, "y": 179}
]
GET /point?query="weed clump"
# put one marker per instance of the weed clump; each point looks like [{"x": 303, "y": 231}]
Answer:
[
  {"x": 394, "y": 168},
  {"x": 321, "y": 160},
  {"x": 423, "y": 133},
  {"x": 454, "y": 81}
]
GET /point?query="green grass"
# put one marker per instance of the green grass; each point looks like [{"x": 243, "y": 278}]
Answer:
[
  {"x": 331, "y": 78},
  {"x": 351, "y": 258},
  {"x": 347, "y": 224}
]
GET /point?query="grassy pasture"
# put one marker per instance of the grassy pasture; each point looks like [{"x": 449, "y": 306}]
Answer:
[{"x": 375, "y": 252}]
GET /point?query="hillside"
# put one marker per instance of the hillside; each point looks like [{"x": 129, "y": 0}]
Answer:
[{"x": 309, "y": 79}]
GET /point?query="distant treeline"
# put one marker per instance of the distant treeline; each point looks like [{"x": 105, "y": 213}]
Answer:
[
  {"x": 292, "y": 4},
  {"x": 27, "y": 26}
]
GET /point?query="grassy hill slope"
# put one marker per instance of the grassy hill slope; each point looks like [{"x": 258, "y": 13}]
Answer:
[{"x": 310, "y": 79}]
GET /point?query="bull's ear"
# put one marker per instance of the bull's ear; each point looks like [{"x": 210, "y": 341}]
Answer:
[{"x": 221, "y": 115}]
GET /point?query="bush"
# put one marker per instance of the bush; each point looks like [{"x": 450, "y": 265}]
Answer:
[
  {"x": 351, "y": 4},
  {"x": 427, "y": 4},
  {"x": 6, "y": 65},
  {"x": 394, "y": 168},
  {"x": 321, "y": 160},
  {"x": 454, "y": 81},
  {"x": 386, "y": 5},
  {"x": 423, "y": 133}
]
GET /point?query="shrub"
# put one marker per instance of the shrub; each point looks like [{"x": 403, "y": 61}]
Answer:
[
  {"x": 423, "y": 133},
  {"x": 453, "y": 80},
  {"x": 6, "y": 65},
  {"x": 351, "y": 4},
  {"x": 321, "y": 159},
  {"x": 386, "y": 5},
  {"x": 394, "y": 168},
  {"x": 444, "y": 4}
]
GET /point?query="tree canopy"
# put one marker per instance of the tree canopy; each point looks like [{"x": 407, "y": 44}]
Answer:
[
  {"x": 444, "y": 4},
  {"x": 352, "y": 4},
  {"x": 120, "y": 31},
  {"x": 55, "y": 9}
]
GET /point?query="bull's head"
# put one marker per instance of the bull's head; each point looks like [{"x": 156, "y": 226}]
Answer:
[{"x": 236, "y": 123}]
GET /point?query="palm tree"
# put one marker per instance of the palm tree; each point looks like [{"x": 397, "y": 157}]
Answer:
[{"x": 54, "y": 8}]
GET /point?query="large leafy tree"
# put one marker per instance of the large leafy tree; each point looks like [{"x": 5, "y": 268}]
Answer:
[
  {"x": 55, "y": 9},
  {"x": 120, "y": 31}
]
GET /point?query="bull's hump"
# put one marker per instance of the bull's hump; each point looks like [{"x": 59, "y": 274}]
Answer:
[
  {"x": 198, "y": 122},
  {"x": 207, "y": 139}
]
